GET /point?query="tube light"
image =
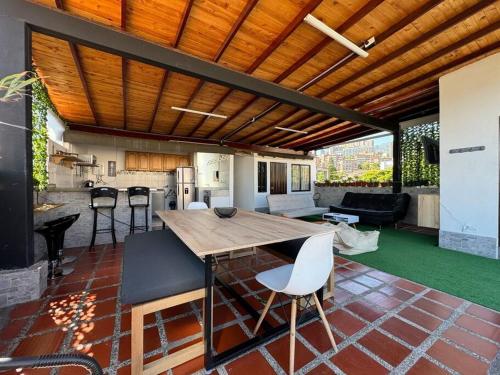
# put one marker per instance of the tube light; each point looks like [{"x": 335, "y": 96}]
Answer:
[
  {"x": 209, "y": 114},
  {"x": 290, "y": 130},
  {"x": 317, "y": 24}
]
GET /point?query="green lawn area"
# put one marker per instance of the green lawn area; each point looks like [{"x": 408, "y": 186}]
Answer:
[{"x": 418, "y": 258}]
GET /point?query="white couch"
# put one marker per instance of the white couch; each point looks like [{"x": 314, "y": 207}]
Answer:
[{"x": 293, "y": 205}]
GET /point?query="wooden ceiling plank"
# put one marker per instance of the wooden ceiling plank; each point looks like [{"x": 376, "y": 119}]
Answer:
[
  {"x": 355, "y": 133},
  {"x": 289, "y": 29},
  {"x": 180, "y": 29},
  {"x": 432, "y": 57},
  {"x": 79, "y": 69},
  {"x": 346, "y": 25},
  {"x": 234, "y": 29},
  {"x": 433, "y": 73},
  {"x": 424, "y": 37},
  {"x": 167, "y": 137}
]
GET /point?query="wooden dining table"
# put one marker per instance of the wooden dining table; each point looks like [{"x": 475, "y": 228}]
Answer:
[{"x": 207, "y": 235}]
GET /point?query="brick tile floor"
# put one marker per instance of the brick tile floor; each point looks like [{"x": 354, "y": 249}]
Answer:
[{"x": 382, "y": 324}]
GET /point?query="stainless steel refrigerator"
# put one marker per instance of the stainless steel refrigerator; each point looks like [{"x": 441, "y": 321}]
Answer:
[{"x": 185, "y": 187}]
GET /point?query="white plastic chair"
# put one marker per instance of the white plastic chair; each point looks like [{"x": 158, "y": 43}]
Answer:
[
  {"x": 307, "y": 275},
  {"x": 197, "y": 206}
]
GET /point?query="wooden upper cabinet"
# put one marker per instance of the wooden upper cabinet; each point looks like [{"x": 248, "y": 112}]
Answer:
[
  {"x": 156, "y": 162},
  {"x": 131, "y": 161},
  {"x": 143, "y": 161},
  {"x": 183, "y": 161},
  {"x": 169, "y": 162}
]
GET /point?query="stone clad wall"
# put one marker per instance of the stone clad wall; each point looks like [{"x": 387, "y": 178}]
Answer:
[{"x": 334, "y": 195}]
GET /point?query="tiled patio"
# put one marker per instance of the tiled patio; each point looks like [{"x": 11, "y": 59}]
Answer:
[{"x": 382, "y": 324}]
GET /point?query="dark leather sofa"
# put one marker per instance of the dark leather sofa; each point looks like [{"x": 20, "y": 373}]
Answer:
[{"x": 375, "y": 209}]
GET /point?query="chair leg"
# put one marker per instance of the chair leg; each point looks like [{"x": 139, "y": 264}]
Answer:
[
  {"x": 113, "y": 235},
  {"x": 293, "y": 320},
  {"x": 94, "y": 230},
  {"x": 264, "y": 312},
  {"x": 146, "y": 220},
  {"x": 137, "y": 334},
  {"x": 131, "y": 220},
  {"x": 325, "y": 322}
]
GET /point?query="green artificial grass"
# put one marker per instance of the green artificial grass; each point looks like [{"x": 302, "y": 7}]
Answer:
[{"x": 417, "y": 257}]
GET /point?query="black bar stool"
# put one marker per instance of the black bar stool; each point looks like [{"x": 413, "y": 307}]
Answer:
[
  {"x": 53, "y": 231},
  {"x": 108, "y": 196},
  {"x": 138, "y": 191}
]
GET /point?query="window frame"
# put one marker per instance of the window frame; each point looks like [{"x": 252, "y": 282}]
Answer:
[
  {"x": 259, "y": 163},
  {"x": 301, "y": 166}
]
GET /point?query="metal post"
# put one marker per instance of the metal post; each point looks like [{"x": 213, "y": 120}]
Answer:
[
  {"x": 16, "y": 184},
  {"x": 396, "y": 156}
]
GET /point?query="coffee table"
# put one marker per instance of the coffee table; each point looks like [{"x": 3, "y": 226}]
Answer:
[{"x": 338, "y": 217}]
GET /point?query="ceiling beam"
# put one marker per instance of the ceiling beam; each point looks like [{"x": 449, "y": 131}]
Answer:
[
  {"x": 123, "y": 26},
  {"x": 374, "y": 103},
  {"x": 176, "y": 138},
  {"x": 390, "y": 108},
  {"x": 490, "y": 28},
  {"x": 379, "y": 39},
  {"x": 430, "y": 58},
  {"x": 433, "y": 73},
  {"x": 353, "y": 134},
  {"x": 234, "y": 29},
  {"x": 61, "y": 25},
  {"x": 289, "y": 29},
  {"x": 356, "y": 17},
  {"x": 164, "y": 79},
  {"x": 78, "y": 64}
]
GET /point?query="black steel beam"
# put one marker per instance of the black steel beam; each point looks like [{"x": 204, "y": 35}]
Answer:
[
  {"x": 77, "y": 30},
  {"x": 396, "y": 162},
  {"x": 16, "y": 184}
]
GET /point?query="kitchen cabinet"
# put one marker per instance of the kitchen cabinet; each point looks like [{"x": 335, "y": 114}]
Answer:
[
  {"x": 143, "y": 161},
  {"x": 131, "y": 161},
  {"x": 183, "y": 161},
  {"x": 170, "y": 162},
  {"x": 156, "y": 162},
  {"x": 428, "y": 210}
]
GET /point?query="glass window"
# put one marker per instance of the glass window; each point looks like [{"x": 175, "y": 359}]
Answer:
[
  {"x": 301, "y": 177},
  {"x": 261, "y": 177}
]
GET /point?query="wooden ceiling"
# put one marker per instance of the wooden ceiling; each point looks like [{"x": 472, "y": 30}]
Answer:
[{"x": 417, "y": 41}]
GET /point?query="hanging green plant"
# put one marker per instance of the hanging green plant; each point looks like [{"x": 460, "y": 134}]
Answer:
[
  {"x": 414, "y": 169},
  {"x": 40, "y": 105}
]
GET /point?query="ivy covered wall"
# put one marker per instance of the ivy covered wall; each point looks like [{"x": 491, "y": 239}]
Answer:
[
  {"x": 41, "y": 105},
  {"x": 415, "y": 170}
]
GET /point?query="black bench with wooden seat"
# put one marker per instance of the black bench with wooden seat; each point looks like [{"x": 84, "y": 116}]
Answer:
[{"x": 159, "y": 271}]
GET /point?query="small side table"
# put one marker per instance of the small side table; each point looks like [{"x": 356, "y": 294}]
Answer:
[{"x": 337, "y": 218}]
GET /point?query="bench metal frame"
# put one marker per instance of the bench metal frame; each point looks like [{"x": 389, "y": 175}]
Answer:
[{"x": 171, "y": 360}]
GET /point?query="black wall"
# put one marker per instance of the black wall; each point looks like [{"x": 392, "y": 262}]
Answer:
[{"x": 16, "y": 192}]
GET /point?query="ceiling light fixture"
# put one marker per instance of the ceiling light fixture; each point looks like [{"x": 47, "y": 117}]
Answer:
[
  {"x": 317, "y": 24},
  {"x": 209, "y": 114},
  {"x": 290, "y": 130}
]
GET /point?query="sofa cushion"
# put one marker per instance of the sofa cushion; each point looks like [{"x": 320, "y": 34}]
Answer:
[
  {"x": 281, "y": 202},
  {"x": 158, "y": 264},
  {"x": 301, "y": 212}
]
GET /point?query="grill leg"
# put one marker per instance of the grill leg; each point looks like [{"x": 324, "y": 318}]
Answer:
[{"x": 94, "y": 230}]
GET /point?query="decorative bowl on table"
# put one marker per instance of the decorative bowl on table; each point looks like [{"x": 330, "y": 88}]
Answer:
[{"x": 225, "y": 212}]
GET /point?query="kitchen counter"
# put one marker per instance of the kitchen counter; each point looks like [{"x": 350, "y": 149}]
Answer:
[
  {"x": 68, "y": 201},
  {"x": 82, "y": 189}
]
